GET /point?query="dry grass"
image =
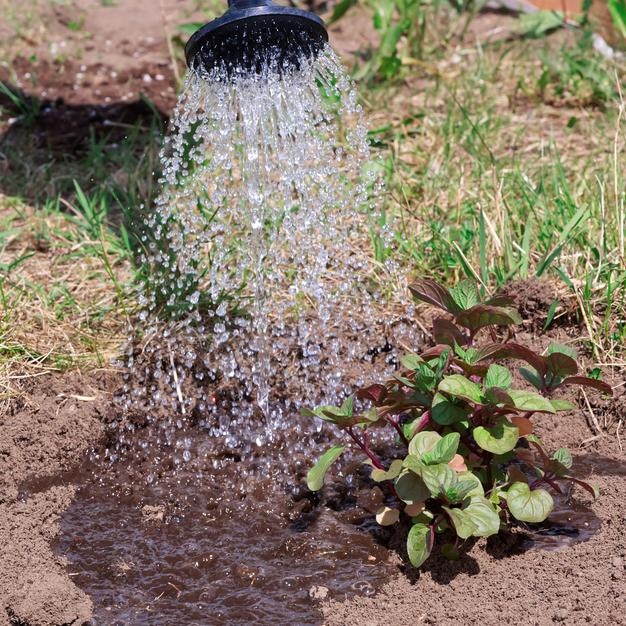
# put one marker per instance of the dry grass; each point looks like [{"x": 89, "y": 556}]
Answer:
[{"x": 60, "y": 304}]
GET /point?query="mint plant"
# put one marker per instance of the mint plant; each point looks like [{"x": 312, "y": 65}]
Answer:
[{"x": 471, "y": 463}]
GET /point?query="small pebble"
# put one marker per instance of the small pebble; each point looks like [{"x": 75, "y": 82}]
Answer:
[{"x": 318, "y": 592}]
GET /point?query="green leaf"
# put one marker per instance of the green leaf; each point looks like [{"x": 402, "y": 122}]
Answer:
[
  {"x": 463, "y": 524},
  {"x": 532, "y": 376},
  {"x": 529, "y": 506},
  {"x": 460, "y": 491},
  {"x": 347, "y": 408},
  {"x": 423, "y": 442},
  {"x": 327, "y": 413},
  {"x": 539, "y": 23},
  {"x": 498, "y": 439},
  {"x": 389, "y": 40},
  {"x": 559, "y": 348},
  {"x": 410, "y": 427},
  {"x": 316, "y": 475},
  {"x": 562, "y": 405},
  {"x": 483, "y": 315},
  {"x": 465, "y": 294},
  {"x": 419, "y": 544},
  {"x": 411, "y": 361},
  {"x": 564, "y": 457},
  {"x": 439, "y": 479},
  {"x": 484, "y": 515},
  {"x": 445, "y": 412},
  {"x": 341, "y": 9},
  {"x": 617, "y": 9},
  {"x": 560, "y": 365},
  {"x": 394, "y": 470},
  {"x": 498, "y": 376},
  {"x": 387, "y": 516},
  {"x": 411, "y": 488},
  {"x": 477, "y": 489},
  {"x": 531, "y": 401},
  {"x": 460, "y": 387},
  {"x": 450, "y": 552},
  {"x": 444, "y": 450}
]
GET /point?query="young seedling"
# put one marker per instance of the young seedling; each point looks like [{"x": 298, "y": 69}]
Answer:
[{"x": 471, "y": 463}]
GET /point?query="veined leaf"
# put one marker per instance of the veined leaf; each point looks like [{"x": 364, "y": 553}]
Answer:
[
  {"x": 530, "y": 401},
  {"x": 463, "y": 524},
  {"x": 444, "y": 450},
  {"x": 513, "y": 351},
  {"x": 423, "y": 442},
  {"x": 564, "y": 457},
  {"x": 559, "y": 348},
  {"x": 465, "y": 294},
  {"x": 593, "y": 383},
  {"x": 445, "y": 412},
  {"x": 498, "y": 439},
  {"x": 483, "y": 315},
  {"x": 445, "y": 332},
  {"x": 460, "y": 387},
  {"x": 531, "y": 375},
  {"x": 528, "y": 505},
  {"x": 484, "y": 516},
  {"x": 375, "y": 393},
  {"x": 410, "y": 488},
  {"x": 419, "y": 544},
  {"x": 394, "y": 470},
  {"x": 387, "y": 516},
  {"x": 430, "y": 291},
  {"x": 561, "y": 365},
  {"x": 498, "y": 376},
  {"x": 562, "y": 405},
  {"x": 315, "y": 476},
  {"x": 439, "y": 479}
]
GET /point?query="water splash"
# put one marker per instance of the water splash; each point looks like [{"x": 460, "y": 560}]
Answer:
[{"x": 256, "y": 297}]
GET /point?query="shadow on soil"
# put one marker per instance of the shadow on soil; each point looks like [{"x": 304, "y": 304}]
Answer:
[{"x": 49, "y": 147}]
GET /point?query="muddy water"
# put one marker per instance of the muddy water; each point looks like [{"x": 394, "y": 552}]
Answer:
[
  {"x": 225, "y": 546},
  {"x": 239, "y": 543}
]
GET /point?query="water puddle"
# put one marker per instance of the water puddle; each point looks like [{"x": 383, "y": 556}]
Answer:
[
  {"x": 569, "y": 523},
  {"x": 228, "y": 546}
]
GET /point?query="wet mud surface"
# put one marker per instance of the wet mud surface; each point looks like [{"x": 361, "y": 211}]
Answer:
[
  {"x": 240, "y": 544},
  {"x": 239, "y": 558}
]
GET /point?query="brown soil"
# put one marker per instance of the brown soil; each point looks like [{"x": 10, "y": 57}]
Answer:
[
  {"x": 43, "y": 436},
  {"x": 499, "y": 581}
]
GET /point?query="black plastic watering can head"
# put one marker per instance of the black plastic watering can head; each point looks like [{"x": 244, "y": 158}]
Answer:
[{"x": 254, "y": 35}]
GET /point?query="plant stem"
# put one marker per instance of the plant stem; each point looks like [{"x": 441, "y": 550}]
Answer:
[
  {"x": 376, "y": 462},
  {"x": 398, "y": 428},
  {"x": 423, "y": 423}
]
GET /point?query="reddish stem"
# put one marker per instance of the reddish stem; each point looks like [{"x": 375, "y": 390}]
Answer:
[
  {"x": 423, "y": 423},
  {"x": 370, "y": 455},
  {"x": 396, "y": 425}
]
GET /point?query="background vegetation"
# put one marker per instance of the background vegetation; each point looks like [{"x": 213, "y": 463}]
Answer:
[{"x": 503, "y": 159}]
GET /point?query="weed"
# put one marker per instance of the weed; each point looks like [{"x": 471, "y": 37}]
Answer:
[{"x": 471, "y": 462}]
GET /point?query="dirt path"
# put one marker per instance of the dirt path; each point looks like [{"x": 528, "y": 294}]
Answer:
[{"x": 40, "y": 438}]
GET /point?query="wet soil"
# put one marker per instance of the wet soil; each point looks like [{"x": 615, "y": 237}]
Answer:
[{"x": 242, "y": 542}]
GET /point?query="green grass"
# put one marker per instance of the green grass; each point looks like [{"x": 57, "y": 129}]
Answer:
[
  {"x": 485, "y": 177},
  {"x": 485, "y": 183}
]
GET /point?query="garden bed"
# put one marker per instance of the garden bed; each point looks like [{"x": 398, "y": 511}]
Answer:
[{"x": 118, "y": 549}]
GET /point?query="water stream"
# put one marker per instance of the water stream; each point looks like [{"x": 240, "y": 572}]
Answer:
[
  {"x": 259, "y": 291},
  {"x": 259, "y": 294}
]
